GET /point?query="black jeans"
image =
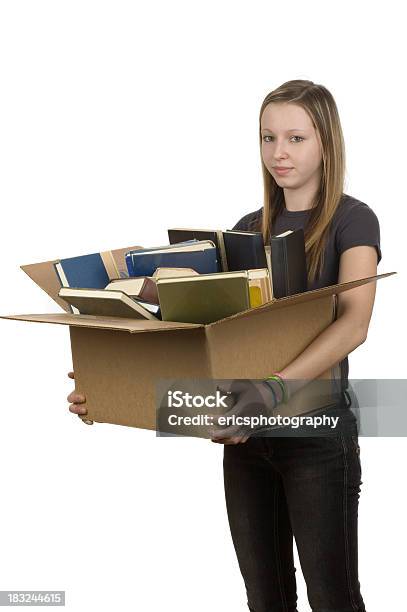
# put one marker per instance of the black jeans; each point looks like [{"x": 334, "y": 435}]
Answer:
[{"x": 308, "y": 488}]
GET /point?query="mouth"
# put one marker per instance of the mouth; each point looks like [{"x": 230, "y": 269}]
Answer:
[{"x": 281, "y": 169}]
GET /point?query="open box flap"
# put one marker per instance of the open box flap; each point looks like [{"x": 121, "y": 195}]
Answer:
[
  {"x": 113, "y": 323},
  {"x": 144, "y": 325},
  {"x": 306, "y": 296},
  {"x": 45, "y": 276}
]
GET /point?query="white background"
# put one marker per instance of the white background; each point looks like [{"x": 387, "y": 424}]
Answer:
[{"x": 117, "y": 121}]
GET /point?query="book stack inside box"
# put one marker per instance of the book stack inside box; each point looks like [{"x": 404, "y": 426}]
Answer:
[{"x": 201, "y": 276}]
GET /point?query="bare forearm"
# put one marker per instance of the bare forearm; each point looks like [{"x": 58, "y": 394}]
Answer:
[{"x": 326, "y": 351}]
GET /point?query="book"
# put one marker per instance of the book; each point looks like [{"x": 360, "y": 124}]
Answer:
[
  {"x": 267, "y": 249},
  {"x": 129, "y": 259},
  {"x": 259, "y": 287},
  {"x": 179, "y": 234},
  {"x": 288, "y": 263},
  {"x": 245, "y": 250},
  {"x": 83, "y": 271},
  {"x": 203, "y": 298},
  {"x": 200, "y": 255},
  {"x": 142, "y": 287},
  {"x": 103, "y": 302},
  {"x": 236, "y": 250},
  {"x": 170, "y": 272}
]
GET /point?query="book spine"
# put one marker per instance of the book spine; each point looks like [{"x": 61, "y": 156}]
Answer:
[
  {"x": 223, "y": 259},
  {"x": 203, "y": 262},
  {"x": 129, "y": 263},
  {"x": 279, "y": 268},
  {"x": 286, "y": 278}
]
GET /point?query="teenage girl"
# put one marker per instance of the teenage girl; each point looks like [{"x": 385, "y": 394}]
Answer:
[{"x": 277, "y": 487}]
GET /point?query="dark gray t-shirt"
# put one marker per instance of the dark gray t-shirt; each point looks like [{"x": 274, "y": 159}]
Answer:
[{"x": 353, "y": 224}]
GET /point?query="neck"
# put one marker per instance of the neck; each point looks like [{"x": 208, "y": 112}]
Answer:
[{"x": 301, "y": 198}]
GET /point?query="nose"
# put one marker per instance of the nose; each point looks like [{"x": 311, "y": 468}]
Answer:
[{"x": 279, "y": 151}]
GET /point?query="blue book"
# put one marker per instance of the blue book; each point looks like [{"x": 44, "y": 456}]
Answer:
[
  {"x": 201, "y": 255},
  {"x": 85, "y": 271},
  {"x": 129, "y": 259}
]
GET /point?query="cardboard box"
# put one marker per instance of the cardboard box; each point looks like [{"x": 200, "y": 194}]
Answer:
[{"x": 118, "y": 361}]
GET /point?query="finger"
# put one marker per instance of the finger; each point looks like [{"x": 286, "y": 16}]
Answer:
[
  {"x": 218, "y": 435},
  {"x": 77, "y": 409},
  {"x": 87, "y": 421},
  {"x": 240, "y": 437},
  {"x": 227, "y": 432},
  {"x": 226, "y": 422},
  {"x": 235, "y": 405},
  {"x": 224, "y": 386},
  {"x": 218, "y": 421},
  {"x": 246, "y": 407},
  {"x": 235, "y": 440},
  {"x": 220, "y": 440},
  {"x": 71, "y": 374},
  {"x": 231, "y": 431},
  {"x": 234, "y": 386},
  {"x": 215, "y": 420},
  {"x": 231, "y": 440},
  {"x": 233, "y": 389},
  {"x": 226, "y": 397},
  {"x": 76, "y": 398}
]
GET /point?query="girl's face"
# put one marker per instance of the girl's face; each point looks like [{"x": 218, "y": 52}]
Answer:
[{"x": 289, "y": 140}]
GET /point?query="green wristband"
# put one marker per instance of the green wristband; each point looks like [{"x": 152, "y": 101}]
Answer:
[
  {"x": 281, "y": 382},
  {"x": 270, "y": 387}
]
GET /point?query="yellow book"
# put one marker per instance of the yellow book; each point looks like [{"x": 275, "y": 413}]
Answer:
[{"x": 259, "y": 287}]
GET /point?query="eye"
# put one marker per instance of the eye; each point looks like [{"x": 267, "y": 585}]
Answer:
[{"x": 271, "y": 138}]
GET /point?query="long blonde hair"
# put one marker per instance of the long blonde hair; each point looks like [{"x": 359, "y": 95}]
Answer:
[{"x": 320, "y": 105}]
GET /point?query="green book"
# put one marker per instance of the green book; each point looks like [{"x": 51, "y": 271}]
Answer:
[
  {"x": 203, "y": 298},
  {"x": 103, "y": 302}
]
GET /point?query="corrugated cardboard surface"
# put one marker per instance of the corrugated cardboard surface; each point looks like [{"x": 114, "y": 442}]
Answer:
[
  {"x": 307, "y": 296},
  {"x": 117, "y": 372},
  {"x": 45, "y": 276},
  {"x": 254, "y": 347},
  {"x": 146, "y": 325},
  {"x": 133, "y": 326},
  {"x": 268, "y": 342}
]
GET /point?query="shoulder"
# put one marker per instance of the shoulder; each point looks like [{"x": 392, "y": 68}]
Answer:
[
  {"x": 249, "y": 221},
  {"x": 355, "y": 224},
  {"x": 352, "y": 207}
]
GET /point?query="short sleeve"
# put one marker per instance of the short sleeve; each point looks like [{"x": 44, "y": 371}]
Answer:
[
  {"x": 248, "y": 222},
  {"x": 238, "y": 226},
  {"x": 359, "y": 226}
]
